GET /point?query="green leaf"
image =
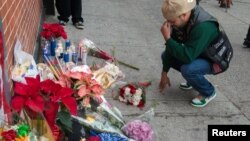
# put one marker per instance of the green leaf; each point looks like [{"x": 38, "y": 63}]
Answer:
[{"x": 64, "y": 121}]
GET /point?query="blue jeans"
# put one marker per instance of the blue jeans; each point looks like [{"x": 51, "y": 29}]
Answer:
[{"x": 194, "y": 73}]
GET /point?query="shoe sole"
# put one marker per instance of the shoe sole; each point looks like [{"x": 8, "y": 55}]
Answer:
[
  {"x": 185, "y": 89},
  {"x": 200, "y": 106},
  {"x": 79, "y": 27},
  {"x": 244, "y": 46}
]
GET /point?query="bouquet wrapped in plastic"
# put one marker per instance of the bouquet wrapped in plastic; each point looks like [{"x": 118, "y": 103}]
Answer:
[
  {"x": 25, "y": 65},
  {"x": 108, "y": 75},
  {"x": 140, "y": 128},
  {"x": 101, "y": 118}
]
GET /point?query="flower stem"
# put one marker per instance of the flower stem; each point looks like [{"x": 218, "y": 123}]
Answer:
[{"x": 128, "y": 65}]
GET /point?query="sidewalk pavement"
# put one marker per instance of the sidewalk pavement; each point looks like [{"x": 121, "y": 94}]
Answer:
[{"x": 133, "y": 28}]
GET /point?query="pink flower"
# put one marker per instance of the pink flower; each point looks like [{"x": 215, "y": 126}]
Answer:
[
  {"x": 139, "y": 130},
  {"x": 84, "y": 86}
]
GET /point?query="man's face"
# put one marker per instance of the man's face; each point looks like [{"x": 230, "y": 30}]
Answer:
[{"x": 178, "y": 22}]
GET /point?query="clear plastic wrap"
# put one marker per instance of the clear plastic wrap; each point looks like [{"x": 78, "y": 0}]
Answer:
[{"x": 141, "y": 128}]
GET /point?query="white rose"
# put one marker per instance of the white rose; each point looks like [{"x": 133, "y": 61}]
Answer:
[
  {"x": 135, "y": 103},
  {"x": 139, "y": 91},
  {"x": 127, "y": 90},
  {"x": 122, "y": 99},
  {"x": 137, "y": 97}
]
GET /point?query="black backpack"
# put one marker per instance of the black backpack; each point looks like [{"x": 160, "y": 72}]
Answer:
[{"x": 220, "y": 53}]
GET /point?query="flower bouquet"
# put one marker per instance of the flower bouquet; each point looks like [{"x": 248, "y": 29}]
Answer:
[
  {"x": 134, "y": 93},
  {"x": 25, "y": 65},
  {"x": 108, "y": 75},
  {"x": 99, "y": 53},
  {"x": 140, "y": 128}
]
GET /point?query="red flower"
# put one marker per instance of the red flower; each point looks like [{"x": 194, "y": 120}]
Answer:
[
  {"x": 53, "y": 31},
  {"x": 28, "y": 95},
  {"x": 9, "y": 135},
  {"x": 96, "y": 89},
  {"x": 57, "y": 94},
  {"x": 141, "y": 104},
  {"x": 122, "y": 91},
  {"x": 35, "y": 95},
  {"x": 94, "y": 138}
]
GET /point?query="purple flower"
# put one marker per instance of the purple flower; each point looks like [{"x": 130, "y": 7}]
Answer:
[{"x": 139, "y": 130}]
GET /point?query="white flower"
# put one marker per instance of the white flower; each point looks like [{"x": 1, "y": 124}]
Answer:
[
  {"x": 127, "y": 91},
  {"x": 122, "y": 99},
  {"x": 135, "y": 103},
  {"x": 137, "y": 97},
  {"x": 139, "y": 91},
  {"x": 88, "y": 43}
]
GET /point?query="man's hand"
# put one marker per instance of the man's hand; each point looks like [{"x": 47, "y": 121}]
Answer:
[
  {"x": 164, "y": 81},
  {"x": 166, "y": 30}
]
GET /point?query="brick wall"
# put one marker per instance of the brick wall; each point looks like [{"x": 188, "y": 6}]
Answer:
[{"x": 21, "y": 20}]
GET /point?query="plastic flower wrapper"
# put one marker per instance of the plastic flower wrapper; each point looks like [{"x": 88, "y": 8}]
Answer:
[
  {"x": 94, "y": 51},
  {"x": 140, "y": 128},
  {"x": 25, "y": 65},
  {"x": 108, "y": 75},
  {"x": 45, "y": 72},
  {"x": 111, "y": 113},
  {"x": 99, "y": 53},
  {"x": 96, "y": 121},
  {"x": 104, "y": 136},
  {"x": 40, "y": 129}
]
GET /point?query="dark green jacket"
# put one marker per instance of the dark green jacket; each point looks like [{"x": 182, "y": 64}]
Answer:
[{"x": 189, "y": 44}]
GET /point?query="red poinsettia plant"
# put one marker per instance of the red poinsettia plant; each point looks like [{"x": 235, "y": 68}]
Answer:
[
  {"x": 45, "y": 97},
  {"x": 53, "y": 30}
]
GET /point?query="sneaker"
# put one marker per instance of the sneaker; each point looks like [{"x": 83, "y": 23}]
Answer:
[
  {"x": 246, "y": 44},
  {"x": 185, "y": 86},
  {"x": 201, "y": 101},
  {"x": 79, "y": 25},
  {"x": 63, "y": 23}
]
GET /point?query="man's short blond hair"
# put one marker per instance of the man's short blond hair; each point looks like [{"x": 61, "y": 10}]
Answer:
[{"x": 173, "y": 8}]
